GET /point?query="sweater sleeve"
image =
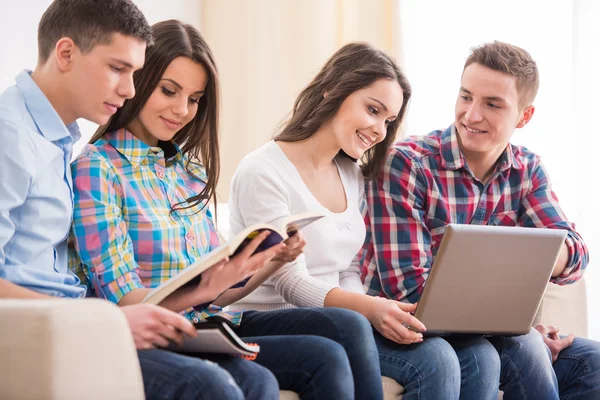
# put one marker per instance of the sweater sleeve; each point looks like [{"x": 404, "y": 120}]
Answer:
[{"x": 258, "y": 194}]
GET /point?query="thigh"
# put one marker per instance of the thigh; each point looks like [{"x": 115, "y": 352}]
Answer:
[
  {"x": 433, "y": 359},
  {"x": 477, "y": 358},
  {"x": 578, "y": 370},
  {"x": 299, "y": 321},
  {"x": 169, "y": 375}
]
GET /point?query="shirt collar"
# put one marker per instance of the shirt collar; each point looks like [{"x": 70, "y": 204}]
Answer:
[
  {"x": 44, "y": 115},
  {"x": 135, "y": 150},
  {"x": 453, "y": 159}
]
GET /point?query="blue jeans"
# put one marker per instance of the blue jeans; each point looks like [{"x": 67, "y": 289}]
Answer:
[
  {"x": 528, "y": 372},
  {"x": 169, "y": 375},
  {"x": 341, "y": 338},
  {"x": 438, "y": 368}
]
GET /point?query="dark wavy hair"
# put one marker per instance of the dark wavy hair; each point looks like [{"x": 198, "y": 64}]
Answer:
[
  {"x": 353, "y": 67},
  {"x": 198, "y": 139}
]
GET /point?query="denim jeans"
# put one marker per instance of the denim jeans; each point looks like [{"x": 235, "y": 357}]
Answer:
[
  {"x": 528, "y": 372},
  {"x": 438, "y": 368},
  {"x": 169, "y": 375},
  {"x": 473, "y": 368},
  {"x": 339, "y": 360}
]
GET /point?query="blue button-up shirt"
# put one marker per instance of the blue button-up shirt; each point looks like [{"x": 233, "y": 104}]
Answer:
[{"x": 36, "y": 195}]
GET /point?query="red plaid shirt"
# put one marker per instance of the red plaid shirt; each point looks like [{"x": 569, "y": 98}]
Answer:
[{"x": 426, "y": 185}]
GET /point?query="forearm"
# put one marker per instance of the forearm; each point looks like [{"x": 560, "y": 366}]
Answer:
[
  {"x": 232, "y": 295},
  {"x": 9, "y": 290},
  {"x": 562, "y": 262},
  {"x": 361, "y": 303}
]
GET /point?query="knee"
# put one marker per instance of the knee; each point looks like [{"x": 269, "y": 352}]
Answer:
[
  {"x": 351, "y": 325},
  {"x": 439, "y": 361},
  {"x": 334, "y": 368},
  {"x": 209, "y": 382},
  {"x": 261, "y": 381},
  {"x": 487, "y": 361},
  {"x": 530, "y": 348}
]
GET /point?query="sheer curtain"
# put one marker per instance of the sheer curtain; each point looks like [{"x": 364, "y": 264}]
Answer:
[{"x": 268, "y": 50}]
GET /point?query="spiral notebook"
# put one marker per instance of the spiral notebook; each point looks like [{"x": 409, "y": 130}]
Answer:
[{"x": 216, "y": 337}]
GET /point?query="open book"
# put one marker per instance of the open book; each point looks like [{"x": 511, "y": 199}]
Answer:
[
  {"x": 216, "y": 337},
  {"x": 192, "y": 274}
]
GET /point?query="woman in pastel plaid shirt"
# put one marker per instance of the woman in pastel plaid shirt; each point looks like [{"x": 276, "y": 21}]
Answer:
[{"x": 142, "y": 187}]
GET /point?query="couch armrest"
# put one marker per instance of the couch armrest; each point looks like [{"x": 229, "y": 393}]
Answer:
[
  {"x": 67, "y": 349},
  {"x": 566, "y": 308}
]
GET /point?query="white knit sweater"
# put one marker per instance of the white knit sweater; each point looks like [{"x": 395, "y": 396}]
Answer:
[{"x": 267, "y": 188}]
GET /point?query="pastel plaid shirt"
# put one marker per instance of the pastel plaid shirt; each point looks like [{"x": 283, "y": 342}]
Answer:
[
  {"x": 124, "y": 235},
  {"x": 426, "y": 185}
]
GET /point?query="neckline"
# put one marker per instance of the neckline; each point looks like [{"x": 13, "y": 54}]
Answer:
[{"x": 307, "y": 190}]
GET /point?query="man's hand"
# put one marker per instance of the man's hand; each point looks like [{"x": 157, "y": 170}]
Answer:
[
  {"x": 153, "y": 326},
  {"x": 553, "y": 341},
  {"x": 294, "y": 246}
]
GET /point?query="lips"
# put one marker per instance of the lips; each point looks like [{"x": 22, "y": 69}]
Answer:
[
  {"x": 171, "y": 124},
  {"x": 364, "y": 138},
  {"x": 473, "y": 130},
  {"x": 112, "y": 108}
]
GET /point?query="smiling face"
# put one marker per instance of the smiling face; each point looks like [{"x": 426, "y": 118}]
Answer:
[
  {"x": 99, "y": 81},
  {"x": 362, "y": 120},
  {"x": 487, "y": 112},
  {"x": 173, "y": 104}
]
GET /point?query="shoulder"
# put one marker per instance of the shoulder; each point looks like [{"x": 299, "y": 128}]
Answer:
[
  {"x": 415, "y": 147},
  {"x": 264, "y": 161},
  {"x": 96, "y": 159},
  {"x": 19, "y": 138},
  {"x": 525, "y": 158}
]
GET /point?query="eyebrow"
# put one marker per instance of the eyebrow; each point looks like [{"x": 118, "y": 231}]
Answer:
[
  {"x": 380, "y": 103},
  {"x": 489, "y": 98},
  {"x": 122, "y": 62},
  {"x": 174, "y": 82}
]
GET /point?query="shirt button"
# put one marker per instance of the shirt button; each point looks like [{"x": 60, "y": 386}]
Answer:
[
  {"x": 189, "y": 237},
  {"x": 160, "y": 174},
  {"x": 93, "y": 269}
]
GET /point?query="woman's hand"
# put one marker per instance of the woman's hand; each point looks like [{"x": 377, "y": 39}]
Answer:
[
  {"x": 294, "y": 246},
  {"x": 229, "y": 272},
  {"x": 391, "y": 319}
]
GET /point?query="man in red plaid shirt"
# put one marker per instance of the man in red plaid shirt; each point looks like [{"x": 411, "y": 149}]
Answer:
[{"x": 469, "y": 173}]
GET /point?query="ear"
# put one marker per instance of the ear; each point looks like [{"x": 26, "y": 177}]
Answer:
[
  {"x": 325, "y": 95},
  {"x": 65, "y": 49},
  {"x": 526, "y": 116}
]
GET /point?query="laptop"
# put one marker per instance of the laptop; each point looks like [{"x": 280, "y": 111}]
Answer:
[{"x": 488, "y": 280}]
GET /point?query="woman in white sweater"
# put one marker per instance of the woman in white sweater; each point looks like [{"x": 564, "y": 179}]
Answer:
[{"x": 350, "y": 111}]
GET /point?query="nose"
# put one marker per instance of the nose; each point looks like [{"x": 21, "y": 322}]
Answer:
[
  {"x": 380, "y": 130},
  {"x": 180, "y": 106},
  {"x": 127, "y": 88},
  {"x": 473, "y": 113}
]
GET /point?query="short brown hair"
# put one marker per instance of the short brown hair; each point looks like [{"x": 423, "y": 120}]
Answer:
[
  {"x": 353, "y": 67},
  {"x": 88, "y": 23},
  {"x": 511, "y": 60}
]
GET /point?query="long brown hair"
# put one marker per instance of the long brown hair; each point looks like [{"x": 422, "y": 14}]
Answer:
[
  {"x": 199, "y": 139},
  {"x": 353, "y": 67}
]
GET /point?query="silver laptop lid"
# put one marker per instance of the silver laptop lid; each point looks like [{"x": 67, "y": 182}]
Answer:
[{"x": 488, "y": 279}]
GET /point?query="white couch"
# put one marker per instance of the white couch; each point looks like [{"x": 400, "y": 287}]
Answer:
[{"x": 82, "y": 349}]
